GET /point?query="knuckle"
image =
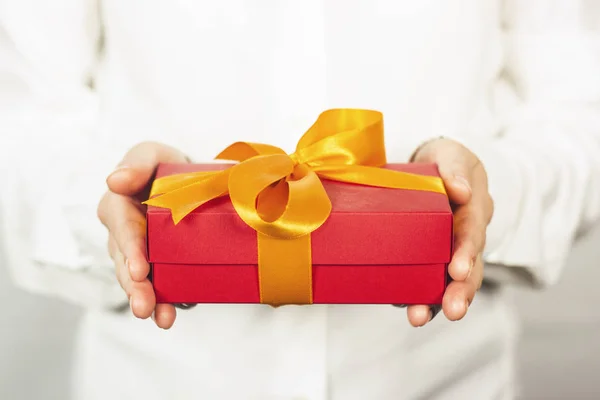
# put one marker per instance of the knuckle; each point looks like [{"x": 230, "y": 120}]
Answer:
[
  {"x": 135, "y": 225},
  {"x": 145, "y": 145},
  {"x": 154, "y": 148},
  {"x": 147, "y": 148},
  {"x": 461, "y": 216},
  {"x": 467, "y": 225},
  {"x": 151, "y": 152},
  {"x": 467, "y": 245},
  {"x": 426, "y": 151},
  {"x": 458, "y": 168},
  {"x": 134, "y": 233}
]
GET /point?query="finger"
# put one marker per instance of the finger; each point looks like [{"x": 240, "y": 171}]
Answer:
[
  {"x": 141, "y": 295},
  {"x": 142, "y": 299},
  {"x": 459, "y": 295},
  {"x": 138, "y": 166},
  {"x": 469, "y": 240},
  {"x": 164, "y": 315},
  {"x": 455, "y": 164},
  {"x": 418, "y": 315},
  {"x": 127, "y": 225},
  {"x": 121, "y": 271}
]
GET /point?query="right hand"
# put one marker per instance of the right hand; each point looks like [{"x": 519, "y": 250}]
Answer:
[{"x": 121, "y": 211}]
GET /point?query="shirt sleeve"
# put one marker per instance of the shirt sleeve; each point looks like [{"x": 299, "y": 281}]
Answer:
[
  {"x": 52, "y": 159},
  {"x": 542, "y": 161}
]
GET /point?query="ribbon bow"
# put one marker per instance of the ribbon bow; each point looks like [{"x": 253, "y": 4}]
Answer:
[{"x": 282, "y": 198}]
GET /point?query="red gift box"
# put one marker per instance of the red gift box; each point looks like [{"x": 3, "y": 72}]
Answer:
[{"x": 378, "y": 246}]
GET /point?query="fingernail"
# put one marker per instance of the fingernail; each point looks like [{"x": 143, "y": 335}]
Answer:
[
  {"x": 463, "y": 181},
  {"x": 153, "y": 316},
  {"x": 129, "y": 269},
  {"x": 120, "y": 168},
  {"x": 132, "y": 305}
]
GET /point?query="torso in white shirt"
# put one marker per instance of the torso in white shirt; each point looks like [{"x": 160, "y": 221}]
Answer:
[{"x": 201, "y": 75}]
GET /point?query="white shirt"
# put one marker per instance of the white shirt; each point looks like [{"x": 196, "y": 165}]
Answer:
[{"x": 81, "y": 82}]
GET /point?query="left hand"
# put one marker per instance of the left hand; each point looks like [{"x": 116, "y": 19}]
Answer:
[
  {"x": 121, "y": 211},
  {"x": 466, "y": 183}
]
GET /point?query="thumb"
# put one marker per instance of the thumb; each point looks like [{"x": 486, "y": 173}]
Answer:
[
  {"x": 139, "y": 165},
  {"x": 454, "y": 163}
]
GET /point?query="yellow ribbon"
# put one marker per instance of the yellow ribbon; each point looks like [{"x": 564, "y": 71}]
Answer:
[{"x": 282, "y": 198}]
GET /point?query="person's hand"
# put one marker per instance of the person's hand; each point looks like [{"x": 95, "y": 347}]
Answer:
[
  {"x": 121, "y": 211},
  {"x": 466, "y": 184}
]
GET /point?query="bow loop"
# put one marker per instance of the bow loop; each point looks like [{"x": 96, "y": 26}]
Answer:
[
  {"x": 344, "y": 137},
  {"x": 241, "y": 151},
  {"x": 270, "y": 194}
]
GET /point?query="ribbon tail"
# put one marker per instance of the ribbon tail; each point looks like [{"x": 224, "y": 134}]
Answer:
[
  {"x": 284, "y": 270},
  {"x": 381, "y": 177},
  {"x": 177, "y": 181},
  {"x": 186, "y": 199}
]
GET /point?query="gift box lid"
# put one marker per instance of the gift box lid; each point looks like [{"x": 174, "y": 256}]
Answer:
[{"x": 367, "y": 226}]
